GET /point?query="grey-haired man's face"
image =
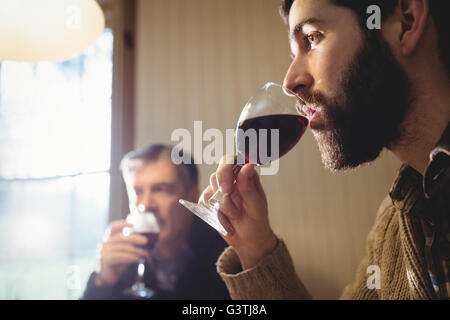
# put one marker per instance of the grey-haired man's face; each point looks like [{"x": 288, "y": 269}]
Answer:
[{"x": 158, "y": 189}]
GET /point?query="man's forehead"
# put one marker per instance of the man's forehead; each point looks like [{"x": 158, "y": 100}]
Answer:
[{"x": 161, "y": 170}]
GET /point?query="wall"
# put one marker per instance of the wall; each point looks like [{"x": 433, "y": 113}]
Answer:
[{"x": 202, "y": 60}]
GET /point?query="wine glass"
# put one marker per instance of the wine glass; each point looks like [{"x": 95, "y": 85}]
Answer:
[
  {"x": 144, "y": 223},
  {"x": 272, "y": 122}
]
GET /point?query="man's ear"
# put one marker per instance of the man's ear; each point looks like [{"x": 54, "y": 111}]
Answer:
[{"x": 414, "y": 14}]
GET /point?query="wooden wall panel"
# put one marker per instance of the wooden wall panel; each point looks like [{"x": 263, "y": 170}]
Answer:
[{"x": 202, "y": 60}]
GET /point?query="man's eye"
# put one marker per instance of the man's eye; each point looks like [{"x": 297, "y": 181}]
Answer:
[{"x": 313, "y": 38}]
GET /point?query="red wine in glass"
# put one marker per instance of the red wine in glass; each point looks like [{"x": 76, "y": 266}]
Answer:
[
  {"x": 291, "y": 128},
  {"x": 152, "y": 239}
]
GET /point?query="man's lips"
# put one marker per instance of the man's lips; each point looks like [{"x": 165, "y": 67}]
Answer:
[
  {"x": 313, "y": 116},
  {"x": 308, "y": 111}
]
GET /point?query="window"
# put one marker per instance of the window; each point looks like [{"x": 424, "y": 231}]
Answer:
[{"x": 55, "y": 151}]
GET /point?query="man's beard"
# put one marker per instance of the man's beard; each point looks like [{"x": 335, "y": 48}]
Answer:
[{"x": 368, "y": 113}]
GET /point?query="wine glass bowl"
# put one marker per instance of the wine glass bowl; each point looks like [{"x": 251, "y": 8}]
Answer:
[
  {"x": 144, "y": 223},
  {"x": 269, "y": 126}
]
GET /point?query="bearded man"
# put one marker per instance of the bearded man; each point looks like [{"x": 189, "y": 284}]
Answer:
[{"x": 363, "y": 90}]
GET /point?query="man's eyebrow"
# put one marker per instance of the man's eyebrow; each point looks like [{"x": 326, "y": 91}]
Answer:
[
  {"x": 298, "y": 27},
  {"x": 164, "y": 185}
]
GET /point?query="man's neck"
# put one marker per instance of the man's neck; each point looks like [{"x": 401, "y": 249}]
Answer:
[{"x": 424, "y": 125}]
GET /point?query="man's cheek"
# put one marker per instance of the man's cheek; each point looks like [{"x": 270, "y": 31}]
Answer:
[
  {"x": 330, "y": 68},
  {"x": 164, "y": 232}
]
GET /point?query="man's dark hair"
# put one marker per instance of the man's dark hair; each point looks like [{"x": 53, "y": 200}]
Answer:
[
  {"x": 439, "y": 11},
  {"x": 187, "y": 172}
]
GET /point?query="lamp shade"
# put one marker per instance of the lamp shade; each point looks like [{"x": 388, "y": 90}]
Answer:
[{"x": 48, "y": 30}]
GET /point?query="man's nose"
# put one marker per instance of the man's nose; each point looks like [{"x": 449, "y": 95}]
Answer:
[
  {"x": 146, "y": 203},
  {"x": 298, "y": 78}
]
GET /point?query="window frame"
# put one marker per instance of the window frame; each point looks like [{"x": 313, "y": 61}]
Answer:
[{"x": 120, "y": 16}]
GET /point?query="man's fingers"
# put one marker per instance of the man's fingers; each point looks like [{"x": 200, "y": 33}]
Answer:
[
  {"x": 213, "y": 182},
  {"x": 224, "y": 174},
  {"x": 116, "y": 258},
  {"x": 229, "y": 208},
  {"x": 225, "y": 223},
  {"x": 236, "y": 199},
  {"x": 109, "y": 248},
  {"x": 210, "y": 190},
  {"x": 135, "y": 239},
  {"x": 206, "y": 194}
]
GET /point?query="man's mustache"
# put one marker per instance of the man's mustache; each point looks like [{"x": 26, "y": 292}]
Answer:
[{"x": 312, "y": 99}]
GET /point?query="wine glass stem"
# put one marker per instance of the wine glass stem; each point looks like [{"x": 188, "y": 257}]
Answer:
[{"x": 141, "y": 270}]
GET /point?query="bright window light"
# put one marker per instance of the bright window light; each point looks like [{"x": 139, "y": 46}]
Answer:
[{"x": 55, "y": 137}]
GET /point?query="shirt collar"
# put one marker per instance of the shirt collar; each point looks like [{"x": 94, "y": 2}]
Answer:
[
  {"x": 437, "y": 173},
  {"x": 411, "y": 190}
]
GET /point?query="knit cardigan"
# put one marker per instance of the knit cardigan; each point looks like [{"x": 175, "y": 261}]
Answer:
[{"x": 394, "y": 244}]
